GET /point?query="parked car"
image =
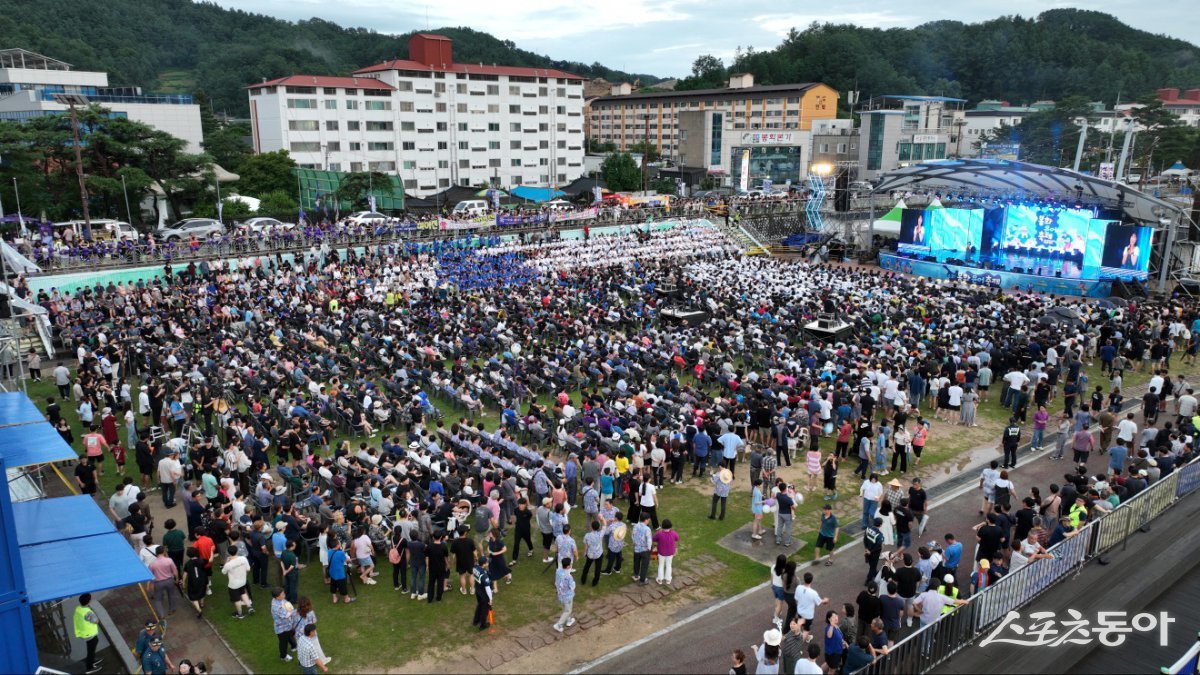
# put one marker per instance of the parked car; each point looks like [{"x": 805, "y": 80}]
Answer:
[
  {"x": 187, "y": 228},
  {"x": 103, "y": 229},
  {"x": 470, "y": 208},
  {"x": 263, "y": 225},
  {"x": 368, "y": 218}
]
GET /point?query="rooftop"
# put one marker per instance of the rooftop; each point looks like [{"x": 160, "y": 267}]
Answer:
[
  {"x": 23, "y": 58},
  {"x": 692, "y": 93},
  {"x": 325, "y": 81},
  {"x": 470, "y": 68}
]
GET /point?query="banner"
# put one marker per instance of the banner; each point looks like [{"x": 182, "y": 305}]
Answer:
[
  {"x": 510, "y": 220},
  {"x": 744, "y": 182},
  {"x": 597, "y": 194},
  {"x": 448, "y": 224},
  {"x": 371, "y": 203},
  {"x": 565, "y": 216}
]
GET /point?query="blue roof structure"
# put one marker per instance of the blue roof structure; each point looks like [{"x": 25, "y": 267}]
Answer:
[
  {"x": 45, "y": 520},
  {"x": 536, "y": 194},
  {"x": 16, "y": 408},
  {"x": 29, "y": 444},
  {"x": 61, "y": 569},
  {"x": 906, "y": 97}
]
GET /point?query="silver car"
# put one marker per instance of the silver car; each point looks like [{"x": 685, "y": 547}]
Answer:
[{"x": 200, "y": 228}]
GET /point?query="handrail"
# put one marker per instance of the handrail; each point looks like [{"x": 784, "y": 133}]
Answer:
[{"x": 936, "y": 642}]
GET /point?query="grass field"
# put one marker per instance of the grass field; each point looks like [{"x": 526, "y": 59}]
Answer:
[
  {"x": 386, "y": 628},
  {"x": 176, "y": 81}
]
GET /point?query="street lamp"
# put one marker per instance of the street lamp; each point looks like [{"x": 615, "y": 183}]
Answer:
[{"x": 72, "y": 100}]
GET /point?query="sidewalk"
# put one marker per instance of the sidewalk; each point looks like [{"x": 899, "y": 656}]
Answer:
[{"x": 704, "y": 645}]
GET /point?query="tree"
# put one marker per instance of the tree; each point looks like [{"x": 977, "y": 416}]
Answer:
[
  {"x": 278, "y": 204},
  {"x": 600, "y": 147},
  {"x": 266, "y": 172},
  {"x": 646, "y": 149},
  {"x": 621, "y": 173},
  {"x": 707, "y": 72},
  {"x": 228, "y": 145},
  {"x": 355, "y": 187},
  {"x": 664, "y": 186}
]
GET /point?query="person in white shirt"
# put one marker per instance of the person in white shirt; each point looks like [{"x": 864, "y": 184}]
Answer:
[
  {"x": 807, "y": 601},
  {"x": 808, "y": 665},
  {"x": 236, "y": 569},
  {"x": 1127, "y": 429}
]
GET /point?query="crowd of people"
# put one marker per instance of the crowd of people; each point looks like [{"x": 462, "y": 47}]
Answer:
[{"x": 231, "y": 385}]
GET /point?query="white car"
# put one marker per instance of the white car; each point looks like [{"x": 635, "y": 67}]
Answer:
[
  {"x": 266, "y": 226},
  {"x": 368, "y": 218},
  {"x": 200, "y": 228}
]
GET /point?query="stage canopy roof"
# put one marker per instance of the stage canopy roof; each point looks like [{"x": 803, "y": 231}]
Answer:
[{"x": 1031, "y": 180}]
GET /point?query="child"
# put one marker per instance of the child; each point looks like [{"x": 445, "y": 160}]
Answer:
[{"x": 118, "y": 452}]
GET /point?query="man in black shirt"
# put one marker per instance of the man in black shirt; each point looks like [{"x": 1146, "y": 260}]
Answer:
[
  {"x": 917, "y": 499},
  {"x": 869, "y": 606},
  {"x": 463, "y": 549},
  {"x": 990, "y": 537},
  {"x": 904, "y": 520},
  {"x": 907, "y": 580},
  {"x": 85, "y": 476},
  {"x": 1010, "y": 439},
  {"x": 1024, "y": 517},
  {"x": 437, "y": 559}
]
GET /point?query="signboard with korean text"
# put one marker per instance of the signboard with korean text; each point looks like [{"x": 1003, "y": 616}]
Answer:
[{"x": 769, "y": 138}]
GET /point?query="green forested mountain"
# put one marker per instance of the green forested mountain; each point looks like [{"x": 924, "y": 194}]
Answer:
[
  {"x": 179, "y": 45},
  {"x": 1062, "y": 52}
]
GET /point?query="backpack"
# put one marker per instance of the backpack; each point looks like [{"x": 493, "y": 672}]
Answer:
[
  {"x": 1001, "y": 496},
  {"x": 394, "y": 555}
]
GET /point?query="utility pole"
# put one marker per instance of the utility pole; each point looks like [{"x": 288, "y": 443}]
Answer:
[{"x": 72, "y": 100}]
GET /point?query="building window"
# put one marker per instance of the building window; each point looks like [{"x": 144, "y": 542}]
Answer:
[
  {"x": 379, "y": 105},
  {"x": 464, "y": 163},
  {"x": 301, "y": 90},
  {"x": 331, "y": 125},
  {"x": 461, "y": 107},
  {"x": 462, "y": 126},
  {"x": 443, "y": 182},
  {"x": 331, "y": 104},
  {"x": 718, "y": 127},
  {"x": 493, "y": 108},
  {"x": 493, "y": 145},
  {"x": 493, "y": 90},
  {"x": 380, "y": 126},
  {"x": 440, "y": 107},
  {"x": 306, "y": 146},
  {"x": 442, "y": 145},
  {"x": 460, "y": 88},
  {"x": 335, "y": 166},
  {"x": 351, "y": 104},
  {"x": 493, "y": 126},
  {"x": 515, "y": 163},
  {"x": 514, "y": 110},
  {"x": 380, "y": 146},
  {"x": 302, "y": 103},
  {"x": 443, "y": 164},
  {"x": 514, "y": 126},
  {"x": 406, "y": 106},
  {"x": 408, "y": 145},
  {"x": 904, "y": 152},
  {"x": 516, "y": 180},
  {"x": 403, "y": 85},
  {"x": 514, "y": 145},
  {"x": 875, "y": 143},
  {"x": 514, "y": 91},
  {"x": 302, "y": 125},
  {"x": 352, "y": 125},
  {"x": 382, "y": 166},
  {"x": 494, "y": 163},
  {"x": 355, "y": 146},
  {"x": 410, "y": 184},
  {"x": 356, "y": 166},
  {"x": 441, "y": 126},
  {"x": 408, "y": 126},
  {"x": 464, "y": 145}
]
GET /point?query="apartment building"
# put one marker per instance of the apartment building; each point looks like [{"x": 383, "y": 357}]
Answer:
[
  {"x": 900, "y": 130},
  {"x": 432, "y": 121},
  {"x": 30, "y": 83}
]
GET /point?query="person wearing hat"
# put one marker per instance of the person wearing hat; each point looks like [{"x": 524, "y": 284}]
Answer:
[
  {"x": 767, "y": 653},
  {"x": 148, "y": 633},
  {"x": 155, "y": 661},
  {"x": 721, "y": 481},
  {"x": 616, "y": 531}
]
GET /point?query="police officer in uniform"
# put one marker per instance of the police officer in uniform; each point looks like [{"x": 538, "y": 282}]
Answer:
[{"x": 1010, "y": 440}]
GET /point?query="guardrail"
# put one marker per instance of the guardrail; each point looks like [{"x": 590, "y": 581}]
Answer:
[
  {"x": 932, "y": 644},
  {"x": 112, "y": 254}
]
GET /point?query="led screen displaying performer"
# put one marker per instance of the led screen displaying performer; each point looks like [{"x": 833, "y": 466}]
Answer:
[
  {"x": 1127, "y": 248},
  {"x": 914, "y": 235},
  {"x": 1048, "y": 231}
]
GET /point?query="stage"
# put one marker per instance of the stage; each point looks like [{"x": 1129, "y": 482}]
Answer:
[{"x": 998, "y": 279}]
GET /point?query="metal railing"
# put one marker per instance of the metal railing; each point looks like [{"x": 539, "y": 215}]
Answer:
[{"x": 936, "y": 642}]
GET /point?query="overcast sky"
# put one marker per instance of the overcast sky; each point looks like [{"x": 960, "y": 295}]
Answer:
[{"x": 663, "y": 37}]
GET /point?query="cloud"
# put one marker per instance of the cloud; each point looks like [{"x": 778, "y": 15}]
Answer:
[{"x": 675, "y": 48}]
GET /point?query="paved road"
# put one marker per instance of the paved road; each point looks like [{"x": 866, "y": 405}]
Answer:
[{"x": 705, "y": 644}]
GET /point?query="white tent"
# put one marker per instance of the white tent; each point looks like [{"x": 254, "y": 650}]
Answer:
[
  {"x": 1177, "y": 169},
  {"x": 16, "y": 262},
  {"x": 251, "y": 202}
]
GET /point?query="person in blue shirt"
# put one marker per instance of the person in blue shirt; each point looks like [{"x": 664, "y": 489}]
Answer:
[
  {"x": 701, "y": 443},
  {"x": 155, "y": 661},
  {"x": 337, "y": 572},
  {"x": 952, "y": 553},
  {"x": 730, "y": 443},
  {"x": 1117, "y": 455}
]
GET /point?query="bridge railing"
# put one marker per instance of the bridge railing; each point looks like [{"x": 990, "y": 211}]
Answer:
[{"x": 933, "y": 643}]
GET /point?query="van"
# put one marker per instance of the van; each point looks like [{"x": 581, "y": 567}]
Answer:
[
  {"x": 471, "y": 208},
  {"x": 103, "y": 229}
]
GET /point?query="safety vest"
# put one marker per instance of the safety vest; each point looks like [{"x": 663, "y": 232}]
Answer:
[
  {"x": 86, "y": 624},
  {"x": 952, "y": 594}
]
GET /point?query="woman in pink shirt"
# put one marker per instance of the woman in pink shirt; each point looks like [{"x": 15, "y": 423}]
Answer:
[{"x": 666, "y": 540}]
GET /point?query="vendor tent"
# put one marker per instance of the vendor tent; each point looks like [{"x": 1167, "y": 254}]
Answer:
[
  {"x": 1177, "y": 169},
  {"x": 536, "y": 194}
]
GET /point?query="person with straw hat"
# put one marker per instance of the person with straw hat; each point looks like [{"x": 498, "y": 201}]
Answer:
[{"x": 768, "y": 653}]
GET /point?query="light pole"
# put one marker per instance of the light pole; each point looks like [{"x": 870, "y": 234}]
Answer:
[
  {"x": 72, "y": 100},
  {"x": 125, "y": 191}
]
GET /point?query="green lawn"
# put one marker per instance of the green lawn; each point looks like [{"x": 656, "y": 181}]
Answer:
[{"x": 355, "y": 633}]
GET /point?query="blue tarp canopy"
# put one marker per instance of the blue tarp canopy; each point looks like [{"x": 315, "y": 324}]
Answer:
[
  {"x": 68, "y": 547},
  {"x": 536, "y": 194},
  {"x": 16, "y": 408},
  {"x": 33, "y": 444},
  {"x": 46, "y": 520},
  {"x": 61, "y": 569}
]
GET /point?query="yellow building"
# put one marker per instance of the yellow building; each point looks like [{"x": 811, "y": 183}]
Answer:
[{"x": 708, "y": 127}]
